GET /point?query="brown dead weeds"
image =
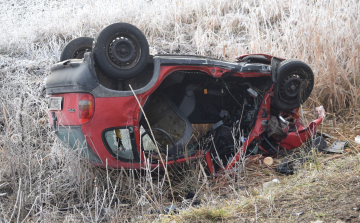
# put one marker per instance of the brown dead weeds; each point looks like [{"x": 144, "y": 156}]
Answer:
[
  {"x": 326, "y": 187},
  {"x": 329, "y": 193}
]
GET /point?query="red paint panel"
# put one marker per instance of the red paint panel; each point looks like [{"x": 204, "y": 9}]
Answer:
[
  {"x": 198, "y": 155},
  {"x": 110, "y": 112},
  {"x": 296, "y": 139},
  {"x": 66, "y": 118},
  {"x": 209, "y": 162},
  {"x": 252, "y": 74}
]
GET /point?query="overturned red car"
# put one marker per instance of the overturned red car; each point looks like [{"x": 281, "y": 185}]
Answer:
[{"x": 118, "y": 106}]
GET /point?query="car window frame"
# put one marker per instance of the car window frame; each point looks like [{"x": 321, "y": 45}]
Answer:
[{"x": 133, "y": 144}]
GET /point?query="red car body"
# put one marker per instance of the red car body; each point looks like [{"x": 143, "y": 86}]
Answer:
[{"x": 92, "y": 112}]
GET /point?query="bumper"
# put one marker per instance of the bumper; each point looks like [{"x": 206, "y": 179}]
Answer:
[{"x": 73, "y": 138}]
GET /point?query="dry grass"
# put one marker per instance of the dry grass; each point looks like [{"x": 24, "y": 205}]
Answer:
[
  {"x": 328, "y": 192},
  {"x": 324, "y": 34},
  {"x": 41, "y": 181}
]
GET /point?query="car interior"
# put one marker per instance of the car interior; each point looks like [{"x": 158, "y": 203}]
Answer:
[{"x": 187, "y": 98}]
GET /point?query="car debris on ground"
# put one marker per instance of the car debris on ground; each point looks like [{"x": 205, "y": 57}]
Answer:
[
  {"x": 357, "y": 139},
  {"x": 270, "y": 184}
]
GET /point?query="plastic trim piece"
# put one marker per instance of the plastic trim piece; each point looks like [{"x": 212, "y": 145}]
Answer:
[
  {"x": 71, "y": 76},
  {"x": 196, "y": 60},
  {"x": 86, "y": 152}
]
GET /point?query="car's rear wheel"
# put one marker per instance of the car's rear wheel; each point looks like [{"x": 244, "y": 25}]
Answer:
[
  {"x": 294, "y": 84},
  {"x": 121, "y": 51},
  {"x": 76, "y": 48}
]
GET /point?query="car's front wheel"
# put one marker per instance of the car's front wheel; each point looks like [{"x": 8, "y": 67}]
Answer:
[{"x": 294, "y": 84}]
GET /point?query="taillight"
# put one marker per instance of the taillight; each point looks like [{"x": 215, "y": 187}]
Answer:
[{"x": 86, "y": 107}]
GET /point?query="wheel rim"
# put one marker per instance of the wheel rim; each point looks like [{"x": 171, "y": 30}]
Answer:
[
  {"x": 79, "y": 53},
  {"x": 295, "y": 87},
  {"x": 123, "y": 51}
]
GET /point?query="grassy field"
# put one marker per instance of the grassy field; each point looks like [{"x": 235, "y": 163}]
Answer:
[
  {"x": 42, "y": 181},
  {"x": 328, "y": 193}
]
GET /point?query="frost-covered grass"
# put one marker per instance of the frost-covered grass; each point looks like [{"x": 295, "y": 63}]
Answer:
[
  {"x": 323, "y": 33},
  {"x": 38, "y": 177}
]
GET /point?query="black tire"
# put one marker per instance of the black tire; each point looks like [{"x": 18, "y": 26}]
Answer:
[
  {"x": 76, "y": 48},
  {"x": 121, "y": 51},
  {"x": 294, "y": 84}
]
